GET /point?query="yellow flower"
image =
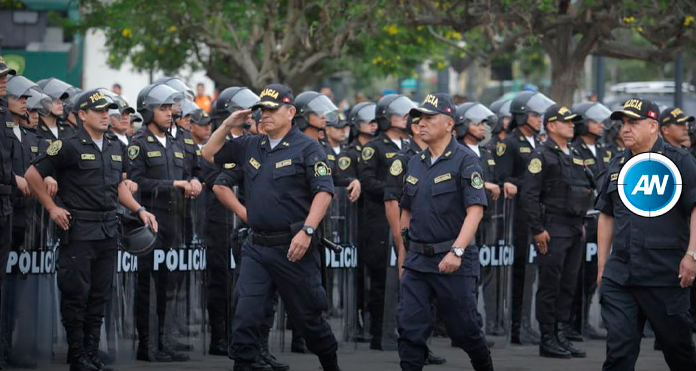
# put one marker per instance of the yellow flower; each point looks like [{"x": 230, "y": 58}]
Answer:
[
  {"x": 377, "y": 60},
  {"x": 172, "y": 28},
  {"x": 392, "y": 29},
  {"x": 688, "y": 20},
  {"x": 127, "y": 33},
  {"x": 640, "y": 29},
  {"x": 630, "y": 19}
]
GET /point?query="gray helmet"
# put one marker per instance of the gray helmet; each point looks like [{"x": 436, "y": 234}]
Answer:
[
  {"x": 472, "y": 113},
  {"x": 594, "y": 111},
  {"x": 154, "y": 96},
  {"x": 526, "y": 102},
  {"x": 139, "y": 241},
  {"x": 392, "y": 104},
  {"x": 19, "y": 86},
  {"x": 39, "y": 102},
  {"x": 176, "y": 84},
  {"x": 312, "y": 102},
  {"x": 56, "y": 89}
]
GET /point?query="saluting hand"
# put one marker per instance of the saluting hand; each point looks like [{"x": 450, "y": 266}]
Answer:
[
  {"x": 298, "y": 246},
  {"x": 237, "y": 118},
  {"x": 61, "y": 217},
  {"x": 542, "y": 241},
  {"x": 449, "y": 263},
  {"x": 687, "y": 271}
]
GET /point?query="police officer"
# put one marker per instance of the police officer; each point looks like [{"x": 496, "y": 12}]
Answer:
[
  {"x": 442, "y": 205},
  {"x": 612, "y": 140},
  {"x": 674, "y": 126},
  {"x": 52, "y": 126},
  {"x": 646, "y": 264},
  {"x": 293, "y": 189},
  {"x": 391, "y": 115},
  {"x": 556, "y": 179},
  {"x": 314, "y": 113},
  {"x": 336, "y": 134},
  {"x": 362, "y": 129},
  {"x": 589, "y": 127},
  {"x": 501, "y": 108},
  {"x": 8, "y": 179},
  {"x": 89, "y": 168},
  {"x": 27, "y": 147},
  {"x": 157, "y": 164},
  {"x": 512, "y": 158},
  {"x": 120, "y": 120}
]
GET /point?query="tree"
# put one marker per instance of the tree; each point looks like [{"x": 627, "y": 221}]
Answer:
[
  {"x": 569, "y": 31},
  {"x": 242, "y": 42}
]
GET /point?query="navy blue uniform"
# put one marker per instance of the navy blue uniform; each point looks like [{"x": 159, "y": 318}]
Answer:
[
  {"x": 64, "y": 130},
  {"x": 285, "y": 180},
  {"x": 437, "y": 196},
  {"x": 88, "y": 180},
  {"x": 640, "y": 280}
]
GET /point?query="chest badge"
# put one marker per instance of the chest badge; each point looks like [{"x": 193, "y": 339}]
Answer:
[
  {"x": 343, "y": 162},
  {"x": 367, "y": 153},
  {"x": 396, "y": 168},
  {"x": 476, "y": 180},
  {"x": 54, "y": 148},
  {"x": 500, "y": 149},
  {"x": 534, "y": 166},
  {"x": 133, "y": 152}
]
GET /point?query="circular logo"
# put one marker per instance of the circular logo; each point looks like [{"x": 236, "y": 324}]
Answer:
[{"x": 650, "y": 184}]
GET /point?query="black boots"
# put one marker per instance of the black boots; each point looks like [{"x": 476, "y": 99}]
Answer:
[
  {"x": 266, "y": 355},
  {"x": 218, "y": 347},
  {"x": 162, "y": 352},
  {"x": 79, "y": 361},
  {"x": 298, "y": 344},
  {"x": 330, "y": 362},
  {"x": 523, "y": 333},
  {"x": 432, "y": 359},
  {"x": 92, "y": 351},
  {"x": 562, "y": 330},
  {"x": 242, "y": 366},
  {"x": 549, "y": 346},
  {"x": 483, "y": 366}
]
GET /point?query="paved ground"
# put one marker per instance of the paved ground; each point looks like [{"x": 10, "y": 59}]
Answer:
[{"x": 517, "y": 358}]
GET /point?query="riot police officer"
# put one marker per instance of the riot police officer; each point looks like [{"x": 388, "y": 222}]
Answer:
[
  {"x": 390, "y": 114},
  {"x": 556, "y": 197},
  {"x": 589, "y": 127},
  {"x": 645, "y": 265},
  {"x": 442, "y": 205},
  {"x": 89, "y": 169},
  {"x": 120, "y": 120},
  {"x": 336, "y": 134},
  {"x": 512, "y": 158},
  {"x": 157, "y": 164},
  {"x": 52, "y": 126},
  {"x": 8, "y": 180},
  {"x": 674, "y": 126},
  {"x": 501, "y": 108},
  {"x": 289, "y": 174}
]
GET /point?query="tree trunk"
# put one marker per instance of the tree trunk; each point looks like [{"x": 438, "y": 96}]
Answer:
[{"x": 565, "y": 78}]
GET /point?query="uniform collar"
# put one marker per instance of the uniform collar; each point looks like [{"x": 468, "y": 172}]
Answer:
[
  {"x": 284, "y": 143},
  {"x": 85, "y": 139},
  {"x": 449, "y": 151},
  {"x": 414, "y": 146}
]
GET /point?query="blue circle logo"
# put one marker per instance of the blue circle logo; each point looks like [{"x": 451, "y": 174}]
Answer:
[{"x": 650, "y": 184}]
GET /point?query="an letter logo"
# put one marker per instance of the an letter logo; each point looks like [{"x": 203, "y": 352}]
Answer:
[{"x": 650, "y": 184}]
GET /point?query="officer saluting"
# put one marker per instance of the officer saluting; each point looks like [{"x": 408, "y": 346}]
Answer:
[
  {"x": 443, "y": 204},
  {"x": 89, "y": 169},
  {"x": 557, "y": 180},
  {"x": 292, "y": 190},
  {"x": 646, "y": 264}
]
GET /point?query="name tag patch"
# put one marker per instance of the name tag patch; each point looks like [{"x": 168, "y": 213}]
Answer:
[
  {"x": 254, "y": 163},
  {"x": 178, "y": 155},
  {"x": 284, "y": 163},
  {"x": 491, "y": 162},
  {"x": 116, "y": 157},
  {"x": 525, "y": 150},
  {"x": 390, "y": 154},
  {"x": 188, "y": 141},
  {"x": 154, "y": 154},
  {"x": 442, "y": 178},
  {"x": 88, "y": 156},
  {"x": 614, "y": 177},
  {"x": 230, "y": 165},
  {"x": 34, "y": 149},
  {"x": 578, "y": 161},
  {"x": 411, "y": 179}
]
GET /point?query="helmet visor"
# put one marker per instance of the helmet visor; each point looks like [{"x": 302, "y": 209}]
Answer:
[
  {"x": 39, "y": 102},
  {"x": 539, "y": 103},
  {"x": 57, "y": 89},
  {"x": 162, "y": 95},
  {"x": 322, "y": 106},
  {"x": 400, "y": 106},
  {"x": 244, "y": 99},
  {"x": 20, "y": 86},
  {"x": 480, "y": 113},
  {"x": 366, "y": 114},
  {"x": 597, "y": 112}
]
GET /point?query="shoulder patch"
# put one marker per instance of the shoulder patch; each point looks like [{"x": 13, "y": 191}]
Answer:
[
  {"x": 476, "y": 180},
  {"x": 525, "y": 150},
  {"x": 491, "y": 162},
  {"x": 500, "y": 149},
  {"x": 367, "y": 153},
  {"x": 54, "y": 148},
  {"x": 534, "y": 166},
  {"x": 396, "y": 168},
  {"x": 411, "y": 179},
  {"x": 331, "y": 157},
  {"x": 254, "y": 163},
  {"x": 614, "y": 177},
  {"x": 188, "y": 141},
  {"x": 150, "y": 138},
  {"x": 133, "y": 152},
  {"x": 321, "y": 169},
  {"x": 343, "y": 162},
  {"x": 230, "y": 165}
]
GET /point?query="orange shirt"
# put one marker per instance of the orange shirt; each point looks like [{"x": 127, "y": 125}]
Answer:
[{"x": 204, "y": 102}]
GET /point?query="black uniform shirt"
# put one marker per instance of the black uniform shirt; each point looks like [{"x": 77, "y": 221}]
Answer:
[
  {"x": 280, "y": 182},
  {"x": 648, "y": 251},
  {"x": 341, "y": 170},
  {"x": 87, "y": 179},
  {"x": 7, "y": 180},
  {"x": 155, "y": 168},
  {"x": 192, "y": 153},
  {"x": 374, "y": 166},
  {"x": 513, "y": 156},
  {"x": 64, "y": 130},
  {"x": 437, "y": 196},
  {"x": 25, "y": 152},
  {"x": 394, "y": 182},
  {"x": 555, "y": 184}
]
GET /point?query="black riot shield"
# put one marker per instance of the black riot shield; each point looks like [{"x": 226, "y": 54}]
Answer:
[
  {"x": 496, "y": 256},
  {"x": 586, "y": 304},
  {"x": 391, "y": 300},
  {"x": 29, "y": 307},
  {"x": 170, "y": 305}
]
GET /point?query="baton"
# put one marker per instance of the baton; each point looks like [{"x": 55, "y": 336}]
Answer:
[{"x": 331, "y": 245}]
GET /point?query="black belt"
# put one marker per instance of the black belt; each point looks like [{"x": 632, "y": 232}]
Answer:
[
  {"x": 271, "y": 238},
  {"x": 94, "y": 216},
  {"x": 430, "y": 249},
  {"x": 5, "y": 190}
]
